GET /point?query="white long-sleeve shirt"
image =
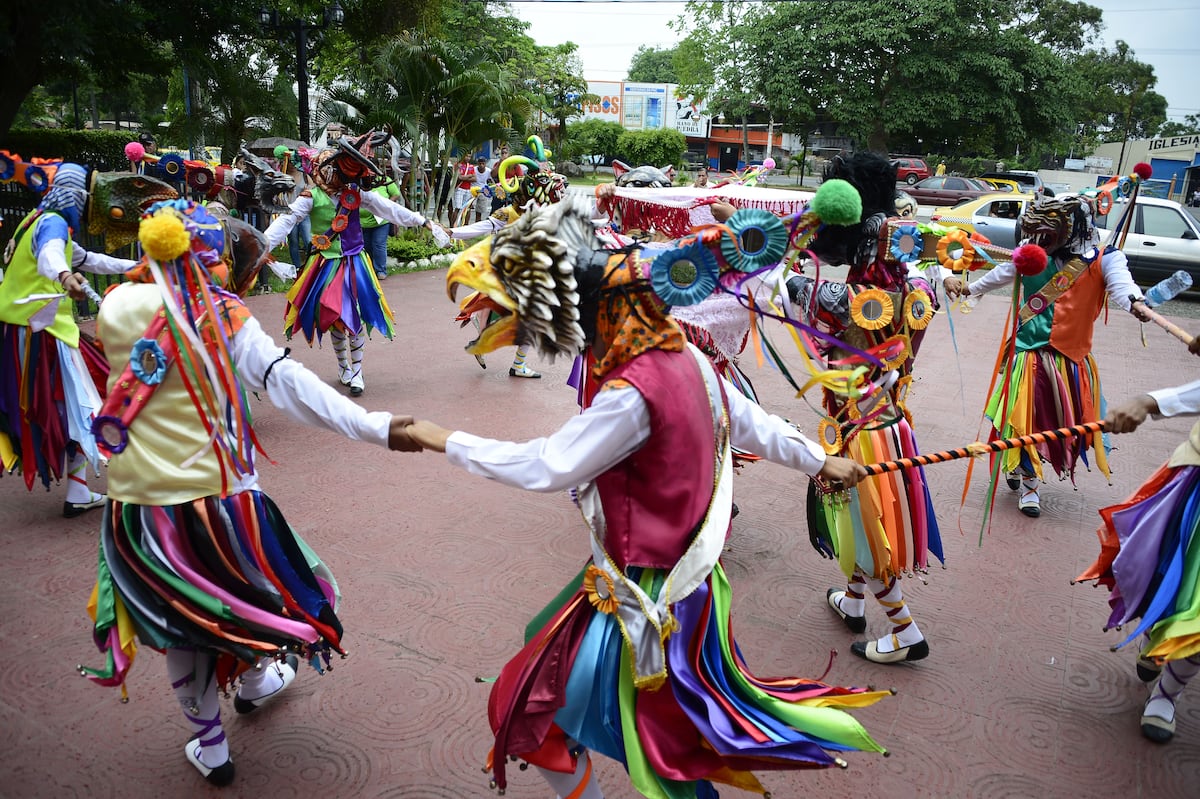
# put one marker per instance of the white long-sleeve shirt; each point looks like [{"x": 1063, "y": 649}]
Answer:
[
  {"x": 52, "y": 261},
  {"x": 1115, "y": 266},
  {"x": 299, "y": 393},
  {"x": 616, "y": 425},
  {"x": 301, "y": 207},
  {"x": 1178, "y": 401}
]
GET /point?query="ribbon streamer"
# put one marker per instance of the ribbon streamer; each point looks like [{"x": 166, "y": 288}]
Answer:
[{"x": 980, "y": 448}]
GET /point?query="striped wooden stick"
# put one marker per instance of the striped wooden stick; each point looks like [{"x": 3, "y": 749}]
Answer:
[{"x": 980, "y": 448}]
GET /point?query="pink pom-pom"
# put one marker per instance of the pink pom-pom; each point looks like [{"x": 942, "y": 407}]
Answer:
[
  {"x": 769, "y": 163},
  {"x": 134, "y": 151},
  {"x": 1029, "y": 259},
  {"x": 1143, "y": 170}
]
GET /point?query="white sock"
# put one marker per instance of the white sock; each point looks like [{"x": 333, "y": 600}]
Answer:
[
  {"x": 580, "y": 785},
  {"x": 262, "y": 680},
  {"x": 357, "y": 342},
  {"x": 339, "y": 349},
  {"x": 1169, "y": 685},
  {"x": 192, "y": 676},
  {"x": 77, "y": 485},
  {"x": 904, "y": 630},
  {"x": 854, "y": 601}
]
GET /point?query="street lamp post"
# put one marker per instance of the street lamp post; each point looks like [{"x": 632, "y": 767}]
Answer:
[{"x": 300, "y": 28}]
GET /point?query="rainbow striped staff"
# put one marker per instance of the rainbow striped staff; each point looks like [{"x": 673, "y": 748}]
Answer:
[{"x": 980, "y": 448}]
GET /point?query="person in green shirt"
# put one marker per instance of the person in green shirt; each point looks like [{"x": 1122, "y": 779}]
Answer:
[{"x": 375, "y": 229}]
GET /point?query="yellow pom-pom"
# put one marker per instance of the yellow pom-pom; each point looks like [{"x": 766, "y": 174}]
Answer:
[{"x": 163, "y": 236}]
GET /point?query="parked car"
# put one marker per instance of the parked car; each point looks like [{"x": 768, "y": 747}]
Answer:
[
  {"x": 948, "y": 190},
  {"x": 1163, "y": 239},
  {"x": 992, "y": 215},
  {"x": 1003, "y": 184},
  {"x": 1029, "y": 181},
  {"x": 910, "y": 170}
]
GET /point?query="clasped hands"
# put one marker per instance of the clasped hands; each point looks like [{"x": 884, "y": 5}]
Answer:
[{"x": 407, "y": 435}]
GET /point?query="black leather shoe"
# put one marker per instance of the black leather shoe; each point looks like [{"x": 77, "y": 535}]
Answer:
[
  {"x": 73, "y": 509},
  {"x": 856, "y": 624},
  {"x": 870, "y": 651}
]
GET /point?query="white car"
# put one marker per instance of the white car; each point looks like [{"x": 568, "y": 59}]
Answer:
[{"x": 1163, "y": 239}]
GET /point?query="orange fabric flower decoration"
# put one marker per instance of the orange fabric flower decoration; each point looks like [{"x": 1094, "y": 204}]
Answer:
[
  {"x": 321, "y": 242},
  {"x": 339, "y": 223},
  {"x": 955, "y": 251},
  {"x": 599, "y": 588}
]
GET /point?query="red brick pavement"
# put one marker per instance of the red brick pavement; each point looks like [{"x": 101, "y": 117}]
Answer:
[{"x": 1020, "y": 697}]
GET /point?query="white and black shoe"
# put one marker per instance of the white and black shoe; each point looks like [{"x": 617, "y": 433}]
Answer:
[
  {"x": 286, "y": 671},
  {"x": 855, "y": 624},
  {"x": 73, "y": 509},
  {"x": 220, "y": 775}
]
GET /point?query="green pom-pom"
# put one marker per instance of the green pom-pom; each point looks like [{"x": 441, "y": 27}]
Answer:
[
  {"x": 281, "y": 150},
  {"x": 837, "y": 203}
]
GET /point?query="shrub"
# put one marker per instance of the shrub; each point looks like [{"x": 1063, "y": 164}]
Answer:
[{"x": 102, "y": 149}]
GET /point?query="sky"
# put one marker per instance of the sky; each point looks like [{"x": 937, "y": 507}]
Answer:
[{"x": 1162, "y": 33}]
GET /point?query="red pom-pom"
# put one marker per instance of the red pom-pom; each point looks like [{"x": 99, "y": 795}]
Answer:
[
  {"x": 1143, "y": 170},
  {"x": 1029, "y": 259},
  {"x": 134, "y": 151}
]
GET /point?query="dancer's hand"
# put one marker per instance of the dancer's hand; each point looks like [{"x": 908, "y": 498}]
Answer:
[
  {"x": 1194, "y": 347},
  {"x": 1139, "y": 309},
  {"x": 398, "y": 438},
  {"x": 1127, "y": 417},
  {"x": 953, "y": 286},
  {"x": 72, "y": 283},
  {"x": 841, "y": 472},
  {"x": 429, "y": 435}
]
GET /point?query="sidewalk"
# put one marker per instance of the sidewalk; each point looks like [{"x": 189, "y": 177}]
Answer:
[{"x": 440, "y": 571}]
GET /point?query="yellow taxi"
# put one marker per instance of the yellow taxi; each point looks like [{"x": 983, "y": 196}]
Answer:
[
  {"x": 1003, "y": 185},
  {"x": 992, "y": 215}
]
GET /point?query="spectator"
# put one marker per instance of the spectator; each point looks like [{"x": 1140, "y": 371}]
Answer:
[
  {"x": 941, "y": 169},
  {"x": 701, "y": 181},
  {"x": 483, "y": 192},
  {"x": 464, "y": 179}
]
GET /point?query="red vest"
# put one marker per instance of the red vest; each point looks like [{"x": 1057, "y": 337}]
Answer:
[{"x": 655, "y": 499}]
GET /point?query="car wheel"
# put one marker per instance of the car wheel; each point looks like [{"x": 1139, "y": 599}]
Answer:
[{"x": 911, "y": 179}]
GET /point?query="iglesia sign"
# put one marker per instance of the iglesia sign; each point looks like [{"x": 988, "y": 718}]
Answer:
[{"x": 1192, "y": 141}]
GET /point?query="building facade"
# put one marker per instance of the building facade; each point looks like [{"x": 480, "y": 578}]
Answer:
[{"x": 1174, "y": 159}]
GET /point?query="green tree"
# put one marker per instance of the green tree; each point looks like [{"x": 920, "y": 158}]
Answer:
[
  {"x": 231, "y": 101},
  {"x": 591, "y": 137},
  {"x": 1120, "y": 104},
  {"x": 1190, "y": 125},
  {"x": 558, "y": 88},
  {"x": 716, "y": 59},
  {"x": 661, "y": 148},
  {"x": 653, "y": 65},
  {"x": 961, "y": 74},
  {"x": 106, "y": 41},
  {"x": 436, "y": 95}
]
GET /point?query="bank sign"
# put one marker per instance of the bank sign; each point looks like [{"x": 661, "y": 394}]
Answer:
[
  {"x": 645, "y": 106},
  {"x": 1192, "y": 142}
]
